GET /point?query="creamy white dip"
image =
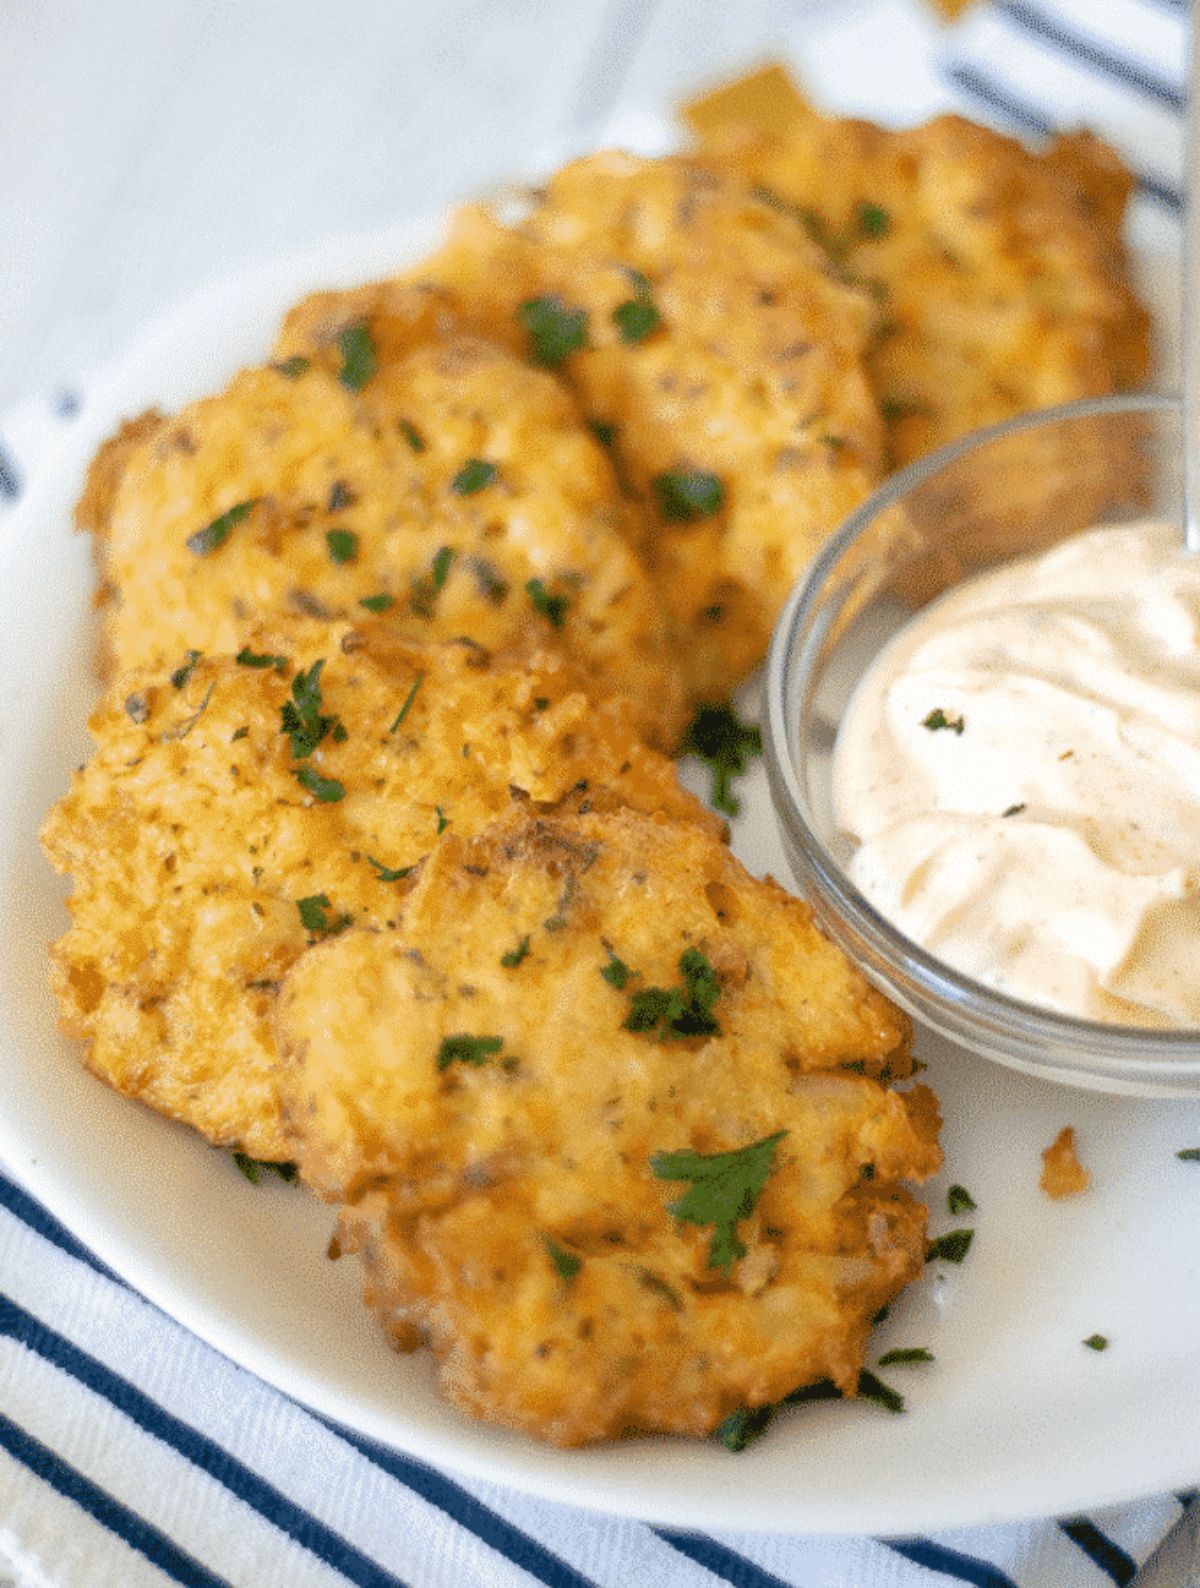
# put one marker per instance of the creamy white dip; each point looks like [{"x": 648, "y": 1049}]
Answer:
[{"x": 1020, "y": 772}]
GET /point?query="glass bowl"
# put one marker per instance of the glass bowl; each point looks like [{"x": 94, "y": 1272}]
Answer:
[{"x": 1008, "y": 491}]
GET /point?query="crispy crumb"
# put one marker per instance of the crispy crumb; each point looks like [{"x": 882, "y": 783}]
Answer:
[{"x": 1062, "y": 1173}]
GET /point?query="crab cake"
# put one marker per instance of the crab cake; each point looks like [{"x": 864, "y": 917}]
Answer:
[
  {"x": 440, "y": 482},
  {"x": 611, "y": 1127},
  {"x": 237, "y": 810},
  {"x": 706, "y": 338},
  {"x": 1000, "y": 277}
]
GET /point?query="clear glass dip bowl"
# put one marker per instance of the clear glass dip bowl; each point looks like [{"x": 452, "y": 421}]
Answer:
[{"x": 1008, "y": 491}]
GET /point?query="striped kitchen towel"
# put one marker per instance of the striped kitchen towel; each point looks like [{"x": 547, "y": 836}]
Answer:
[{"x": 132, "y": 1455}]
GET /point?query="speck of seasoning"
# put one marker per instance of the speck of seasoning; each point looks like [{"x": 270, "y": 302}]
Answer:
[
  {"x": 959, "y": 1200},
  {"x": 340, "y": 496},
  {"x": 938, "y": 719},
  {"x": 358, "y": 356},
  {"x": 475, "y": 474},
  {"x": 408, "y": 700},
  {"x": 1096, "y": 1342},
  {"x": 411, "y": 434},
  {"x": 181, "y": 675},
  {"x": 513, "y": 958},
  {"x": 343, "y": 545},
  {"x": 1014, "y": 810},
  {"x": 205, "y": 541},
  {"x": 377, "y": 603}
]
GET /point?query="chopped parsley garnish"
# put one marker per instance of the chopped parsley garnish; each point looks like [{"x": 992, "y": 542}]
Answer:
[
  {"x": 951, "y": 1247},
  {"x": 717, "y": 735},
  {"x": 467, "y": 1050},
  {"x": 180, "y": 676},
  {"x": 300, "y": 718},
  {"x": 443, "y": 821},
  {"x": 873, "y": 220},
  {"x": 725, "y": 1188},
  {"x": 743, "y": 1426},
  {"x": 426, "y": 589},
  {"x": 443, "y": 557},
  {"x": 408, "y": 700},
  {"x": 874, "y": 1389},
  {"x": 937, "y": 718},
  {"x": 1189, "y": 1155},
  {"x": 677, "y": 1013},
  {"x": 554, "y": 330},
  {"x": 636, "y": 318},
  {"x": 239, "y": 733},
  {"x": 377, "y": 603},
  {"x": 1096, "y": 1342},
  {"x": 327, "y": 789},
  {"x": 292, "y": 368},
  {"x": 473, "y": 476},
  {"x": 552, "y": 607},
  {"x": 513, "y": 958},
  {"x": 604, "y": 433},
  {"x": 389, "y": 873},
  {"x": 411, "y": 434},
  {"x": 206, "y": 540},
  {"x": 1014, "y": 810},
  {"x": 312, "y": 912},
  {"x": 340, "y": 495},
  {"x": 685, "y": 495},
  {"x": 566, "y": 1264},
  {"x": 358, "y": 356},
  {"x": 253, "y": 1168},
  {"x": 343, "y": 545},
  {"x": 905, "y": 1354},
  {"x": 248, "y": 658},
  {"x": 959, "y": 1200},
  {"x": 616, "y": 973}
]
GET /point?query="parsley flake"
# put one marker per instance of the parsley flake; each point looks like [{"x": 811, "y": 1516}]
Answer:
[
  {"x": 292, "y": 368},
  {"x": 616, "y": 973},
  {"x": 253, "y": 1168},
  {"x": 725, "y": 1188},
  {"x": 905, "y": 1354},
  {"x": 959, "y": 1200},
  {"x": 312, "y": 912},
  {"x": 358, "y": 355},
  {"x": 717, "y": 735},
  {"x": 874, "y": 1389},
  {"x": 300, "y": 718},
  {"x": 408, "y": 700},
  {"x": 248, "y": 658},
  {"x": 1189, "y": 1155},
  {"x": 475, "y": 474},
  {"x": 604, "y": 433},
  {"x": 327, "y": 789},
  {"x": 1014, "y": 810},
  {"x": 205, "y": 541},
  {"x": 390, "y": 873},
  {"x": 873, "y": 220},
  {"x": 636, "y": 319},
  {"x": 443, "y": 821},
  {"x": 513, "y": 958},
  {"x": 938, "y": 719},
  {"x": 343, "y": 545},
  {"x": 684, "y": 495},
  {"x": 743, "y": 1426},
  {"x": 411, "y": 434},
  {"x": 377, "y": 603},
  {"x": 467, "y": 1049},
  {"x": 677, "y": 1013},
  {"x": 566, "y": 1264},
  {"x": 951, "y": 1247},
  {"x": 181, "y": 675},
  {"x": 1096, "y": 1342},
  {"x": 552, "y": 607},
  {"x": 554, "y": 330}
]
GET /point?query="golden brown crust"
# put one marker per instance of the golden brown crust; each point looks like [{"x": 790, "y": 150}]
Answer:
[
  {"x": 191, "y": 841},
  {"x": 1062, "y": 1173},
  {"x": 305, "y": 457},
  {"x": 754, "y": 374},
  {"x": 507, "y": 1210}
]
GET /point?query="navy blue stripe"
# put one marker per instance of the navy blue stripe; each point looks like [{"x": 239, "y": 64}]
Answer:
[
  {"x": 722, "y": 1562},
  {"x": 291, "y": 1519},
  {"x": 1102, "y": 59},
  {"x": 158, "y": 1549},
  {"x": 936, "y": 1557},
  {"x": 10, "y": 480},
  {"x": 463, "y": 1508},
  {"x": 22, "y": 1206},
  {"x": 1101, "y": 1550},
  {"x": 1021, "y": 113}
]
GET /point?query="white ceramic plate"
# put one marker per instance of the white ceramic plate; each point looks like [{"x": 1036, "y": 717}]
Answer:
[{"x": 1016, "y": 1417}]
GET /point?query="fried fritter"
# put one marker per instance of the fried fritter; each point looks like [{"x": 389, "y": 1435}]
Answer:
[
  {"x": 1000, "y": 274},
  {"x": 442, "y": 481},
  {"x": 511, "y": 1093},
  {"x": 235, "y": 811},
  {"x": 704, "y": 333}
]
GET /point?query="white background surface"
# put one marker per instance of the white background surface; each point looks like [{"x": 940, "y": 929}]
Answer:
[{"x": 148, "y": 147}]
